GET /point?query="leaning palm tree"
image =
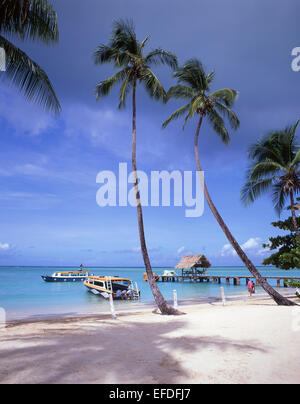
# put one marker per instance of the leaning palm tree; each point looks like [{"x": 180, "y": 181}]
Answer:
[
  {"x": 194, "y": 87},
  {"x": 126, "y": 52},
  {"x": 275, "y": 167},
  {"x": 28, "y": 20}
]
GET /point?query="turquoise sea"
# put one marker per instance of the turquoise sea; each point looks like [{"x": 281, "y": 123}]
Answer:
[{"x": 24, "y": 294}]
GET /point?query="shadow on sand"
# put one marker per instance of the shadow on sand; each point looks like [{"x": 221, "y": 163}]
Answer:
[{"x": 91, "y": 351}]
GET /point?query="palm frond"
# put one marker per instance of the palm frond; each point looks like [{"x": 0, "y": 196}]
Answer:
[
  {"x": 104, "y": 54},
  {"x": 276, "y": 159},
  {"x": 196, "y": 104},
  {"x": 181, "y": 92},
  {"x": 143, "y": 44},
  {"x": 253, "y": 189},
  {"x": 29, "y": 19},
  {"x": 124, "y": 37},
  {"x": 29, "y": 77},
  {"x": 229, "y": 114},
  {"x": 292, "y": 138},
  {"x": 279, "y": 197},
  {"x": 210, "y": 77},
  {"x": 177, "y": 114},
  {"x": 104, "y": 87},
  {"x": 152, "y": 85},
  {"x": 125, "y": 90},
  {"x": 193, "y": 74},
  {"x": 160, "y": 56},
  {"x": 219, "y": 126},
  {"x": 226, "y": 96},
  {"x": 264, "y": 169},
  {"x": 266, "y": 149},
  {"x": 296, "y": 160}
]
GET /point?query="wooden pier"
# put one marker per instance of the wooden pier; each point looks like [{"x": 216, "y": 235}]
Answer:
[{"x": 235, "y": 280}]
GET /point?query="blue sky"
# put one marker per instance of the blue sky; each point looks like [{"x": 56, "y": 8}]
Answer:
[{"x": 48, "y": 168}]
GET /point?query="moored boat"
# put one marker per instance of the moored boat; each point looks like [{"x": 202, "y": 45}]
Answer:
[
  {"x": 67, "y": 276},
  {"x": 119, "y": 288}
]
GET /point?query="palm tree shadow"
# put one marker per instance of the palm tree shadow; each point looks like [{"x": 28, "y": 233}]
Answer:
[{"x": 135, "y": 352}]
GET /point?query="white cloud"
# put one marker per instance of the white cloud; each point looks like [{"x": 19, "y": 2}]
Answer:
[
  {"x": 252, "y": 243},
  {"x": 227, "y": 250},
  {"x": 180, "y": 250},
  {"x": 253, "y": 246},
  {"x": 5, "y": 247}
]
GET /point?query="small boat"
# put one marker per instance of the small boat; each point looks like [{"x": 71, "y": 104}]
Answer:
[
  {"x": 68, "y": 276},
  {"x": 169, "y": 272},
  {"x": 119, "y": 288}
]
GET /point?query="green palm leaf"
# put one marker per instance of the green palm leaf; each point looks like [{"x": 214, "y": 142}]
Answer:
[
  {"x": 160, "y": 56},
  {"x": 103, "y": 88},
  {"x": 193, "y": 85},
  {"x": 177, "y": 114},
  {"x": 29, "y": 19},
  {"x": 252, "y": 190},
  {"x": 275, "y": 159},
  {"x": 229, "y": 114},
  {"x": 152, "y": 85},
  {"x": 181, "y": 92},
  {"x": 219, "y": 126},
  {"x": 29, "y": 77},
  {"x": 226, "y": 96}
]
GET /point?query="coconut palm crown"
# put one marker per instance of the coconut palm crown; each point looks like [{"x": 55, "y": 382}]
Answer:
[
  {"x": 126, "y": 52},
  {"x": 194, "y": 86},
  {"x": 28, "y": 20},
  {"x": 275, "y": 161}
]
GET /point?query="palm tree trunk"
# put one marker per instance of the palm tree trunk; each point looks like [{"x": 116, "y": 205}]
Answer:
[
  {"x": 159, "y": 299},
  {"x": 294, "y": 215},
  {"x": 280, "y": 300}
]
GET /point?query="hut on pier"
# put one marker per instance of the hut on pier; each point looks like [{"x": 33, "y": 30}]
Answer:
[{"x": 193, "y": 265}]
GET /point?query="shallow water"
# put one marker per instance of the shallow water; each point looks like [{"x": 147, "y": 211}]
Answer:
[{"x": 23, "y": 293}]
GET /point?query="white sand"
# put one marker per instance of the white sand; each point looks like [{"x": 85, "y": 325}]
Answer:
[{"x": 239, "y": 343}]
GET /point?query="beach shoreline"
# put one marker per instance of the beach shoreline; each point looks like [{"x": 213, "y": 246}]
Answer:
[
  {"x": 137, "y": 307},
  {"x": 250, "y": 341}
]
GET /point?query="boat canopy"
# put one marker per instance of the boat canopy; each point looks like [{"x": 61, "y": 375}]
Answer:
[
  {"x": 72, "y": 272},
  {"x": 109, "y": 278}
]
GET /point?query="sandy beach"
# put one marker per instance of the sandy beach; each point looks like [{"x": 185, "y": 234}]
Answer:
[{"x": 243, "y": 342}]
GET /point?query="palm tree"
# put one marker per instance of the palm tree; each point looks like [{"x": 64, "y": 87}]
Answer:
[
  {"x": 194, "y": 86},
  {"x": 126, "y": 52},
  {"x": 33, "y": 20},
  {"x": 275, "y": 161}
]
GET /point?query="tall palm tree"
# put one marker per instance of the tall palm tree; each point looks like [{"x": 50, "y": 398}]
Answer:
[
  {"x": 28, "y": 20},
  {"x": 275, "y": 167},
  {"x": 194, "y": 87},
  {"x": 126, "y": 52}
]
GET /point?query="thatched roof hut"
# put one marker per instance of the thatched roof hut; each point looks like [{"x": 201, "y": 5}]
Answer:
[{"x": 193, "y": 262}]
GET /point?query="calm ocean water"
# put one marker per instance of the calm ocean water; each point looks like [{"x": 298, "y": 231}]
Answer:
[{"x": 23, "y": 293}]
